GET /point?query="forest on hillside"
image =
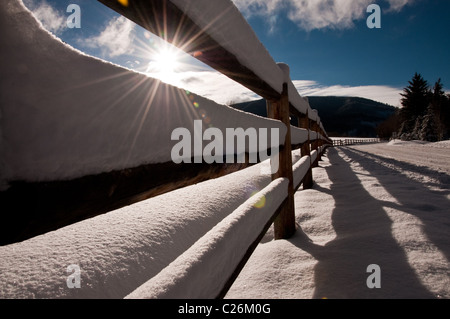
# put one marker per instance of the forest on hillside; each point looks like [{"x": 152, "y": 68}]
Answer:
[
  {"x": 341, "y": 115},
  {"x": 424, "y": 115}
]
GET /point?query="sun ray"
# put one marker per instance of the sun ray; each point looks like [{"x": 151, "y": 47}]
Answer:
[{"x": 150, "y": 97}]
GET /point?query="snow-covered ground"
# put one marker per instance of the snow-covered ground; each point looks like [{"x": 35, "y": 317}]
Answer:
[
  {"x": 424, "y": 154},
  {"x": 364, "y": 209}
]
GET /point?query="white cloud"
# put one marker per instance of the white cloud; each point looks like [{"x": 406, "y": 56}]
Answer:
[
  {"x": 51, "y": 19},
  {"x": 316, "y": 14},
  {"x": 116, "y": 39},
  {"x": 339, "y": 14},
  {"x": 260, "y": 7},
  {"x": 380, "y": 93},
  {"x": 221, "y": 89},
  {"x": 209, "y": 84},
  {"x": 397, "y": 5},
  {"x": 217, "y": 87}
]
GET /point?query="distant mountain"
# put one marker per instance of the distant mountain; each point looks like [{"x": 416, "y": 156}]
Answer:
[{"x": 341, "y": 116}]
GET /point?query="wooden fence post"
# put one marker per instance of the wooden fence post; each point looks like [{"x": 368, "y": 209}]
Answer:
[
  {"x": 284, "y": 224},
  {"x": 270, "y": 106},
  {"x": 315, "y": 146},
  {"x": 319, "y": 143},
  {"x": 306, "y": 151}
]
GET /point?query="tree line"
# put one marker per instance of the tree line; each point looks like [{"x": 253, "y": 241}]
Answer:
[{"x": 424, "y": 115}]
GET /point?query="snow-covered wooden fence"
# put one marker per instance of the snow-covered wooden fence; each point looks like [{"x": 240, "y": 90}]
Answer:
[
  {"x": 216, "y": 33},
  {"x": 343, "y": 141},
  {"x": 57, "y": 145}
]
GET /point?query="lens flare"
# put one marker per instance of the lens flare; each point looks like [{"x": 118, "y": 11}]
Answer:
[
  {"x": 262, "y": 201},
  {"x": 197, "y": 54}
]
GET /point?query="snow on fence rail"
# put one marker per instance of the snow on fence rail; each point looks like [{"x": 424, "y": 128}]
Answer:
[
  {"x": 85, "y": 141},
  {"x": 204, "y": 270}
]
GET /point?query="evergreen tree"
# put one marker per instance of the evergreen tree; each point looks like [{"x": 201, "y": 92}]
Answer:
[
  {"x": 430, "y": 126},
  {"x": 438, "y": 92},
  {"x": 446, "y": 116},
  {"x": 439, "y": 103},
  {"x": 416, "y": 133},
  {"x": 415, "y": 100}
]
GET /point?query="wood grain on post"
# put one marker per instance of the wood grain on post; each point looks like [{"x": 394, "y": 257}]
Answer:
[
  {"x": 284, "y": 224},
  {"x": 319, "y": 143},
  {"x": 305, "y": 151},
  {"x": 315, "y": 146}
]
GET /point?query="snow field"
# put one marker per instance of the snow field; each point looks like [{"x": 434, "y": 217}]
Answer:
[
  {"x": 360, "y": 211},
  {"x": 425, "y": 155},
  {"x": 418, "y": 212}
]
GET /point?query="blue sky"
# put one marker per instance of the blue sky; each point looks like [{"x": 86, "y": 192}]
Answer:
[{"x": 327, "y": 44}]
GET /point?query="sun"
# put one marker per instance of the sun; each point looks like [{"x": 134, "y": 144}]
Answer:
[
  {"x": 164, "y": 64},
  {"x": 166, "y": 61}
]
